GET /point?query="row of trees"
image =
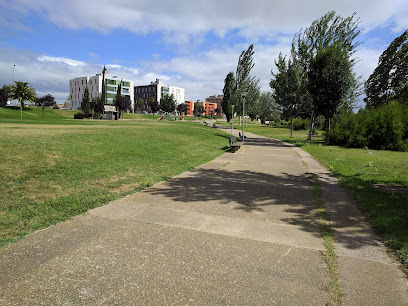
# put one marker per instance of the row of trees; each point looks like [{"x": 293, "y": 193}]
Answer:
[
  {"x": 22, "y": 92},
  {"x": 318, "y": 78}
]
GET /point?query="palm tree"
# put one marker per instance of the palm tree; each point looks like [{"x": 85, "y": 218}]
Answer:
[{"x": 22, "y": 92}]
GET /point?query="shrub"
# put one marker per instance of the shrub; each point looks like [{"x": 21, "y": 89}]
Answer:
[
  {"x": 55, "y": 106},
  {"x": 383, "y": 128},
  {"x": 79, "y": 115},
  {"x": 300, "y": 124}
]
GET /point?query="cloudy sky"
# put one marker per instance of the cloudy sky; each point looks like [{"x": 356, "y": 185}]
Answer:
[{"x": 190, "y": 44}]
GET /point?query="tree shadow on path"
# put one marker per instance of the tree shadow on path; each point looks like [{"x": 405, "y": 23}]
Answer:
[{"x": 287, "y": 198}]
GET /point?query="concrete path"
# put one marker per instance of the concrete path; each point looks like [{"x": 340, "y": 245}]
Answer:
[{"x": 241, "y": 229}]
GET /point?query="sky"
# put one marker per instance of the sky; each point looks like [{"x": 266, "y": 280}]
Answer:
[{"x": 185, "y": 43}]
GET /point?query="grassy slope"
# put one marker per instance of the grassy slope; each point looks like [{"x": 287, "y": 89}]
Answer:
[
  {"x": 358, "y": 171},
  {"x": 54, "y": 169}
]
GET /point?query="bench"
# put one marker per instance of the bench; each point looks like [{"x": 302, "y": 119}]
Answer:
[{"x": 234, "y": 144}]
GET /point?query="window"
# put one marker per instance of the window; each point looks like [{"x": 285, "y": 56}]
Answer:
[
  {"x": 92, "y": 88},
  {"x": 82, "y": 82},
  {"x": 79, "y": 89}
]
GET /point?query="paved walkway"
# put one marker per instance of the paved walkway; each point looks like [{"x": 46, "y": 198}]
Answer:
[{"x": 241, "y": 229}]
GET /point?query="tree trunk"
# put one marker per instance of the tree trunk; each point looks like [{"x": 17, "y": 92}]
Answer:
[
  {"x": 311, "y": 126},
  {"x": 328, "y": 131},
  {"x": 21, "y": 110},
  {"x": 42, "y": 111},
  {"x": 291, "y": 126}
]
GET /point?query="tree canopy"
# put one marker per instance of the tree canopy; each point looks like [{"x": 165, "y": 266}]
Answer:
[
  {"x": 22, "y": 92},
  {"x": 45, "y": 101},
  {"x": 167, "y": 103},
  {"x": 228, "y": 91},
  {"x": 330, "y": 79},
  {"x": 318, "y": 40},
  {"x": 86, "y": 102},
  {"x": 390, "y": 79},
  {"x": 5, "y": 93}
]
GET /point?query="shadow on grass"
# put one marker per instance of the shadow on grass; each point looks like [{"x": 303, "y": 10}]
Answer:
[
  {"x": 386, "y": 211},
  {"x": 25, "y": 109}
]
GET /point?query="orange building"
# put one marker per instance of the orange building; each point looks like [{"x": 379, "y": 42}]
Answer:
[
  {"x": 190, "y": 107},
  {"x": 210, "y": 108}
]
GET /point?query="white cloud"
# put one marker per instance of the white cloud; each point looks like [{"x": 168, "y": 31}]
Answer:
[
  {"x": 185, "y": 18},
  {"x": 64, "y": 60},
  {"x": 269, "y": 24}
]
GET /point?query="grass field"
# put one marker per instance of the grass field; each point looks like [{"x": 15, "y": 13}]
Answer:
[
  {"x": 53, "y": 169},
  {"x": 359, "y": 170}
]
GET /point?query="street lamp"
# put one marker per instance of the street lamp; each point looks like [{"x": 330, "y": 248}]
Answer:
[
  {"x": 243, "y": 114},
  {"x": 12, "y": 67},
  {"x": 232, "y": 118}
]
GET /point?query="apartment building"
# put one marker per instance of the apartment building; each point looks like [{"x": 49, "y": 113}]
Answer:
[
  {"x": 190, "y": 107},
  {"x": 157, "y": 90},
  {"x": 217, "y": 99},
  {"x": 94, "y": 83}
]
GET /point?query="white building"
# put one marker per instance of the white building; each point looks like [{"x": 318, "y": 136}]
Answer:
[
  {"x": 157, "y": 90},
  {"x": 94, "y": 83},
  {"x": 178, "y": 94}
]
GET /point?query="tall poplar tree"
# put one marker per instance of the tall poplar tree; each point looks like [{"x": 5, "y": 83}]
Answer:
[
  {"x": 390, "y": 79},
  {"x": 86, "y": 103},
  {"x": 228, "y": 91},
  {"x": 329, "y": 30}
]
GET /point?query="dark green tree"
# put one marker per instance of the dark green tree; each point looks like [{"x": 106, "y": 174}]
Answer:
[
  {"x": 329, "y": 30},
  {"x": 330, "y": 77},
  {"x": 118, "y": 99},
  {"x": 389, "y": 80},
  {"x": 228, "y": 91},
  {"x": 5, "y": 93},
  {"x": 154, "y": 106},
  {"x": 181, "y": 108},
  {"x": 104, "y": 71},
  {"x": 22, "y": 92},
  {"x": 267, "y": 108},
  {"x": 45, "y": 101},
  {"x": 167, "y": 103},
  {"x": 97, "y": 106},
  {"x": 288, "y": 89},
  {"x": 140, "y": 104},
  {"x": 86, "y": 103},
  {"x": 123, "y": 103},
  {"x": 244, "y": 82}
]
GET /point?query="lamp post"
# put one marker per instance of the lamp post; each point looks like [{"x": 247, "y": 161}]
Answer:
[
  {"x": 12, "y": 67},
  {"x": 232, "y": 118},
  {"x": 243, "y": 114}
]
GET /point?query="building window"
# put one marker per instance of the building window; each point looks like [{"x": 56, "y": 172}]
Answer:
[{"x": 79, "y": 89}]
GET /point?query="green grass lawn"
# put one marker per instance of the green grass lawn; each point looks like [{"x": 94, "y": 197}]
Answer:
[
  {"x": 53, "y": 169},
  {"x": 359, "y": 170}
]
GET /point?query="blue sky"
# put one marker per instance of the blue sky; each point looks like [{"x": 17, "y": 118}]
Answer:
[{"x": 190, "y": 44}]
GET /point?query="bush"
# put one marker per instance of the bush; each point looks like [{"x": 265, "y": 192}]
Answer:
[
  {"x": 280, "y": 124},
  {"x": 300, "y": 124},
  {"x": 383, "y": 128},
  {"x": 55, "y": 106},
  {"x": 79, "y": 115}
]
